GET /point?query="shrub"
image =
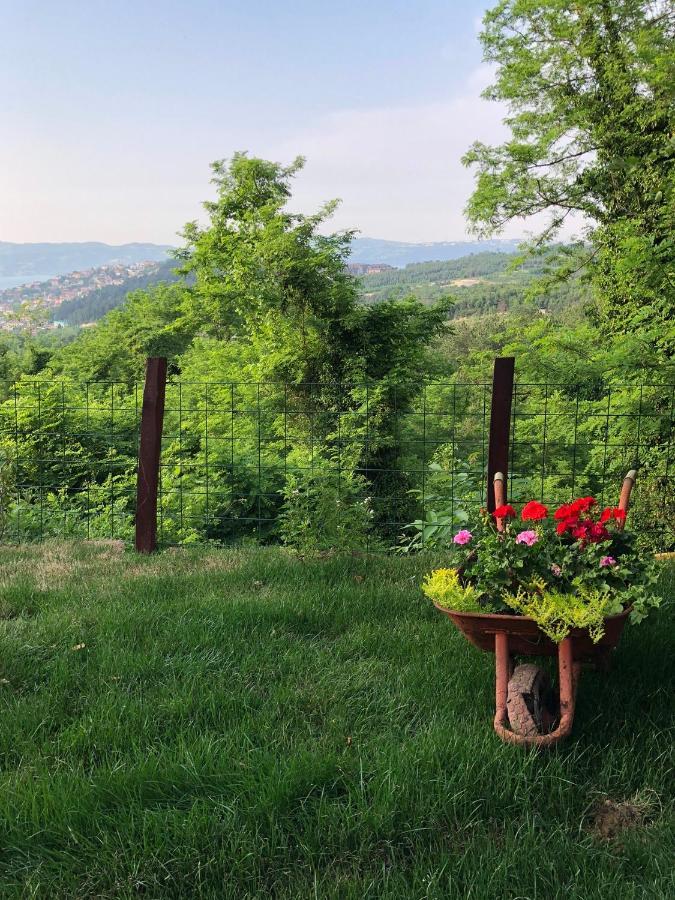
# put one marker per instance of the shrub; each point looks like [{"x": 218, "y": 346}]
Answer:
[{"x": 326, "y": 510}]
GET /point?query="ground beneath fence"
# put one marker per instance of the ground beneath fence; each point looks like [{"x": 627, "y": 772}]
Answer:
[{"x": 244, "y": 723}]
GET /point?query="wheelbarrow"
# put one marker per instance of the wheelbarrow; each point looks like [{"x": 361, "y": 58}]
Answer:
[{"x": 525, "y": 713}]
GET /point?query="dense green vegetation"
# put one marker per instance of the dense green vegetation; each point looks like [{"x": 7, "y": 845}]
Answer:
[
  {"x": 297, "y": 413},
  {"x": 27, "y": 352},
  {"x": 300, "y": 413},
  {"x": 246, "y": 724}
]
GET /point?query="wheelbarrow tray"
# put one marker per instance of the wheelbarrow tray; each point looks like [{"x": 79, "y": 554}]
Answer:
[{"x": 525, "y": 638}]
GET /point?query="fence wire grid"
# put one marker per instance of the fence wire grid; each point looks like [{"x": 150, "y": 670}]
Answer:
[{"x": 352, "y": 464}]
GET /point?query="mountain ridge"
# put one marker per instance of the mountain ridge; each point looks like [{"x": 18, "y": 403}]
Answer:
[
  {"x": 37, "y": 260},
  {"x": 403, "y": 253}
]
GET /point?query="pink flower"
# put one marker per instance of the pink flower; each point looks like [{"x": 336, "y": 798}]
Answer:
[
  {"x": 607, "y": 561},
  {"x": 555, "y": 568},
  {"x": 527, "y": 537},
  {"x": 463, "y": 537}
]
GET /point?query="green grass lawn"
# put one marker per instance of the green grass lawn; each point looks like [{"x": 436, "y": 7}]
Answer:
[{"x": 245, "y": 724}]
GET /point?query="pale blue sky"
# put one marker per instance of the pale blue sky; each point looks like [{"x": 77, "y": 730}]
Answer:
[{"x": 111, "y": 111}]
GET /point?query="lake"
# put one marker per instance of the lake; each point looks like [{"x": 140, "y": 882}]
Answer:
[{"x": 10, "y": 281}]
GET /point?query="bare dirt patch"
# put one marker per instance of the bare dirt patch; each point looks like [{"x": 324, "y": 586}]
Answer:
[
  {"x": 466, "y": 282},
  {"x": 610, "y": 819}
]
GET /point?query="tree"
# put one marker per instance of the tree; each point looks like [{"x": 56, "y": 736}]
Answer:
[
  {"x": 590, "y": 91},
  {"x": 149, "y": 323},
  {"x": 270, "y": 278},
  {"x": 268, "y": 292},
  {"x": 272, "y": 295}
]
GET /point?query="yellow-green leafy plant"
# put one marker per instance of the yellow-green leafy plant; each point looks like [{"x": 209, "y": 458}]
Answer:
[
  {"x": 557, "y": 613},
  {"x": 445, "y": 588}
]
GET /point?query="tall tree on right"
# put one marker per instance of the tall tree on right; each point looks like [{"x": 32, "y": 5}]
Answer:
[{"x": 589, "y": 86}]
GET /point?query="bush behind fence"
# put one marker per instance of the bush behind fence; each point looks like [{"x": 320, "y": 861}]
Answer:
[{"x": 322, "y": 466}]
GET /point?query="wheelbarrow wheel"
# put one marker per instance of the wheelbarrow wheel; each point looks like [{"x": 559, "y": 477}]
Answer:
[{"x": 527, "y": 701}]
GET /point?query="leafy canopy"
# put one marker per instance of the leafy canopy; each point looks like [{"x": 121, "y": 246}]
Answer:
[{"x": 590, "y": 92}]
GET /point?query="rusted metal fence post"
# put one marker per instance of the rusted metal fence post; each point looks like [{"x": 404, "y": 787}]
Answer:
[
  {"x": 152, "y": 419},
  {"x": 500, "y": 425}
]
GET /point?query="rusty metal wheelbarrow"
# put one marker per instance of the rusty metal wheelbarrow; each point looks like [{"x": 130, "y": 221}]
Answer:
[{"x": 524, "y": 711}]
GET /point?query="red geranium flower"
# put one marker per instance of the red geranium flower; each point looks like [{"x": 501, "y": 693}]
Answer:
[
  {"x": 615, "y": 513},
  {"x": 504, "y": 512},
  {"x": 598, "y": 533},
  {"x": 563, "y": 512},
  {"x": 587, "y": 531},
  {"x": 583, "y": 504},
  {"x": 581, "y": 532},
  {"x": 534, "y": 510}
]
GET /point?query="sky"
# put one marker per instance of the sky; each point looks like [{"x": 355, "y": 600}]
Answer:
[{"x": 110, "y": 112}]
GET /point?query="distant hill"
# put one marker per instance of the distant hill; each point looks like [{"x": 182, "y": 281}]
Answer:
[
  {"x": 48, "y": 260},
  {"x": 43, "y": 261},
  {"x": 478, "y": 284},
  {"x": 399, "y": 254}
]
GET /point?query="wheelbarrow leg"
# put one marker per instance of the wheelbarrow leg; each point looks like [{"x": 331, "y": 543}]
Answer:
[
  {"x": 502, "y": 672},
  {"x": 568, "y": 676}
]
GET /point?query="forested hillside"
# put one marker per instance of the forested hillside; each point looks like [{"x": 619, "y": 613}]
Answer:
[
  {"x": 502, "y": 280},
  {"x": 478, "y": 284}
]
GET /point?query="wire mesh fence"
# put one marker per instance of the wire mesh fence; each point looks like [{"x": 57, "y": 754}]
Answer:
[
  {"x": 259, "y": 460},
  {"x": 69, "y": 453},
  {"x": 347, "y": 465},
  {"x": 582, "y": 442}
]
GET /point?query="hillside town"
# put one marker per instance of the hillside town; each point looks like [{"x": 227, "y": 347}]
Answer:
[
  {"x": 368, "y": 268},
  {"x": 61, "y": 288},
  {"x": 57, "y": 290}
]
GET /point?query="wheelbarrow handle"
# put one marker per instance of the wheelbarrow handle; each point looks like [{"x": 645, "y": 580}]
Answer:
[
  {"x": 499, "y": 487},
  {"x": 626, "y": 489}
]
